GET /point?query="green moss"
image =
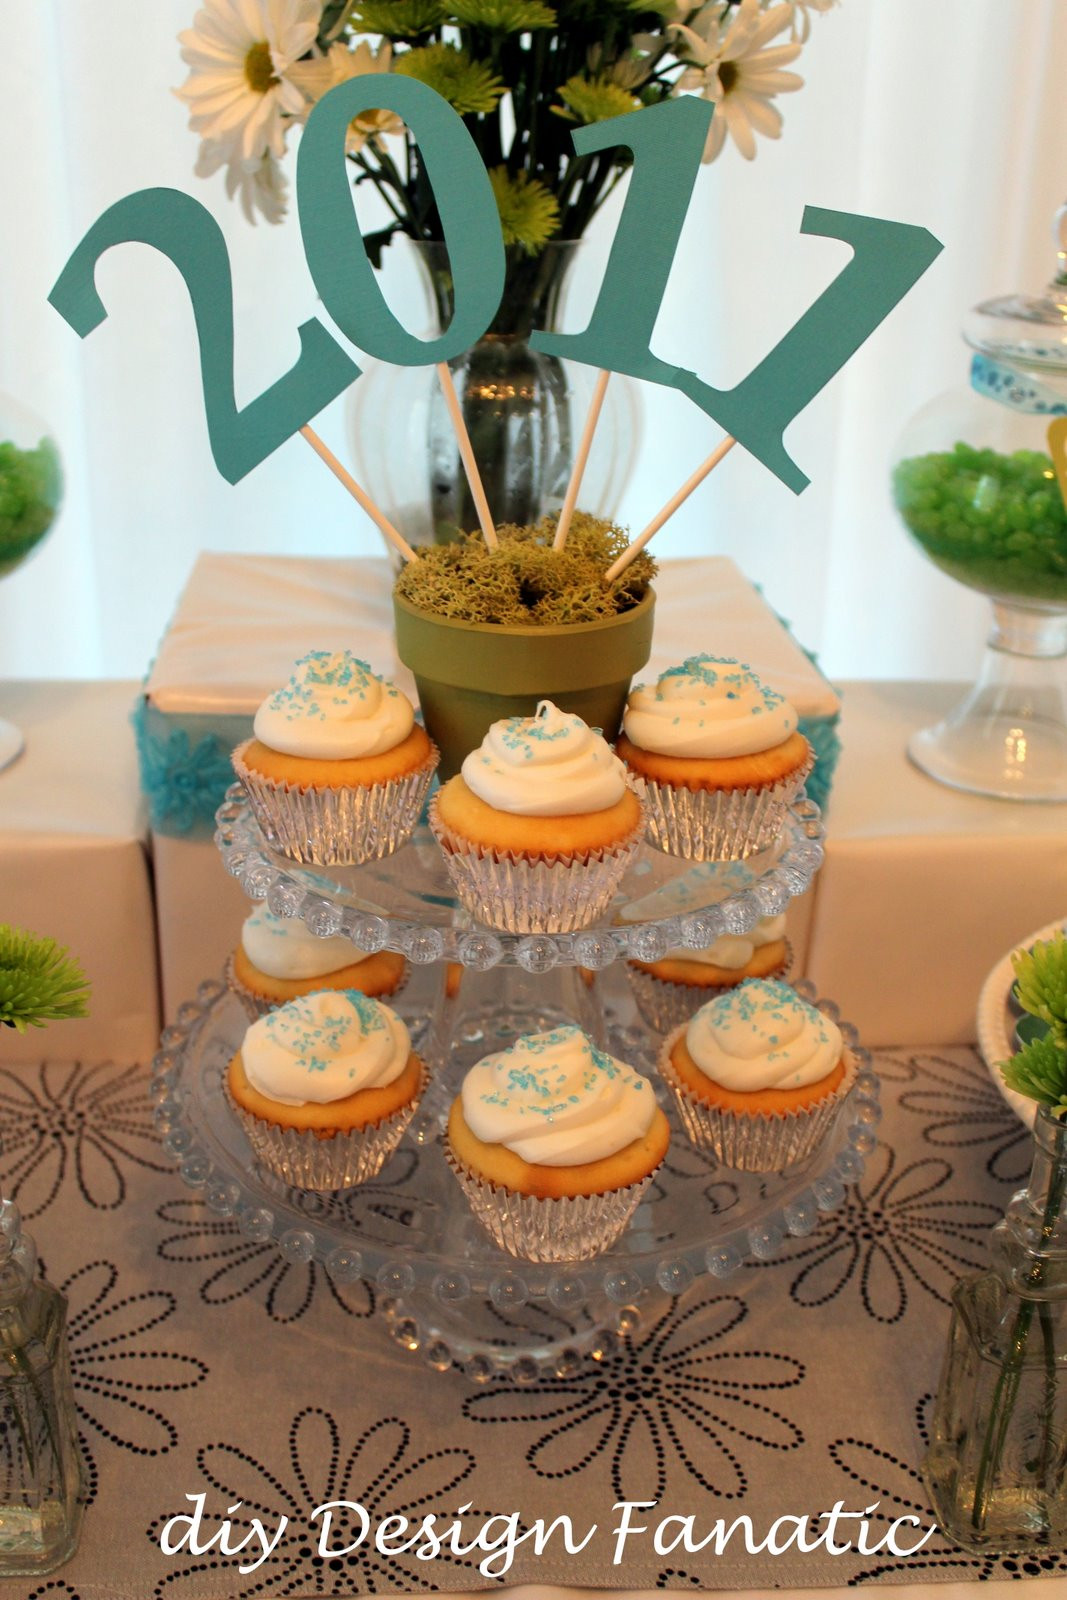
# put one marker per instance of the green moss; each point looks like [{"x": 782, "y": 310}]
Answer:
[
  {"x": 30, "y": 488},
  {"x": 996, "y": 522},
  {"x": 524, "y": 580}
]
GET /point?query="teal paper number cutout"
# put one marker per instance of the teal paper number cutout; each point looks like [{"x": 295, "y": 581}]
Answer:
[
  {"x": 667, "y": 142},
  {"x": 184, "y": 231},
  {"x": 889, "y": 257},
  {"x": 333, "y": 243}
]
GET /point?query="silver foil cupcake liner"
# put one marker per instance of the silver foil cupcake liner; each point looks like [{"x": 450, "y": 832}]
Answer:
[
  {"x": 519, "y": 895},
  {"x": 305, "y": 1161},
  {"x": 754, "y": 1141},
  {"x": 571, "y": 1229},
  {"x": 664, "y": 1004},
  {"x": 258, "y": 1005},
  {"x": 718, "y": 824},
  {"x": 336, "y": 827}
]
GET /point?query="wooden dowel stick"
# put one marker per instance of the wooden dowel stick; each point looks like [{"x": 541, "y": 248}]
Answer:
[
  {"x": 470, "y": 466},
  {"x": 360, "y": 495},
  {"x": 670, "y": 508},
  {"x": 571, "y": 498}
]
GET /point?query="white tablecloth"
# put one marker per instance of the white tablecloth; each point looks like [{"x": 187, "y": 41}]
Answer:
[{"x": 924, "y": 888}]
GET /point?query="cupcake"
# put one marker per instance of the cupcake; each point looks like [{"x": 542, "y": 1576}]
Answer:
[
  {"x": 716, "y": 755},
  {"x": 324, "y": 1088},
  {"x": 279, "y": 958},
  {"x": 338, "y": 768},
  {"x": 668, "y": 991},
  {"x": 554, "y": 1142},
  {"x": 758, "y": 1074},
  {"x": 539, "y": 825}
]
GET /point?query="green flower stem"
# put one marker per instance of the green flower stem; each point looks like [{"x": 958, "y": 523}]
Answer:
[
  {"x": 392, "y": 177},
  {"x": 529, "y": 147},
  {"x": 383, "y": 187},
  {"x": 21, "y": 1366},
  {"x": 1044, "y": 1460}
]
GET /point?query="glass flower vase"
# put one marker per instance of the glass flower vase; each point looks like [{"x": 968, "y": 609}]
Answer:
[
  {"x": 40, "y": 1466},
  {"x": 997, "y": 1464},
  {"x": 524, "y": 412}
]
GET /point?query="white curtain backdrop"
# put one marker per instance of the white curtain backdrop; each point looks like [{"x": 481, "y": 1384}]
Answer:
[{"x": 950, "y": 115}]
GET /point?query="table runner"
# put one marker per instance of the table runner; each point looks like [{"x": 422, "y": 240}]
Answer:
[{"x": 206, "y": 1363}]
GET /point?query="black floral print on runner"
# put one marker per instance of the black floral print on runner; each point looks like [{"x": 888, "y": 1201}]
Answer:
[
  {"x": 91, "y": 1123},
  {"x": 683, "y": 1393}
]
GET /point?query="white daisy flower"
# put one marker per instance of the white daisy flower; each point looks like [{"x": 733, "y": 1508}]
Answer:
[
  {"x": 338, "y": 65},
  {"x": 260, "y": 185},
  {"x": 240, "y": 53},
  {"x": 801, "y": 16},
  {"x": 739, "y": 72}
]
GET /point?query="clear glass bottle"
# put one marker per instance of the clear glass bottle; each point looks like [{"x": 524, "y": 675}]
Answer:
[
  {"x": 997, "y": 1464},
  {"x": 40, "y": 1465}
]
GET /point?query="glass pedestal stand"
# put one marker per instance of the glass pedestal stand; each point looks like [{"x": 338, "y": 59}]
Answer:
[
  {"x": 1008, "y": 735},
  {"x": 444, "y": 1289},
  {"x": 11, "y": 743}
]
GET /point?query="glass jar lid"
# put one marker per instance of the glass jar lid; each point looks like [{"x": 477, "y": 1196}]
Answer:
[{"x": 1027, "y": 331}]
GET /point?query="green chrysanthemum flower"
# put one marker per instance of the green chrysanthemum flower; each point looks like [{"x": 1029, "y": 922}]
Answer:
[
  {"x": 1041, "y": 977},
  {"x": 594, "y": 100},
  {"x": 529, "y": 214},
  {"x": 1039, "y": 1070},
  {"x": 468, "y": 86},
  {"x": 397, "y": 19},
  {"x": 39, "y": 982},
  {"x": 504, "y": 16}
]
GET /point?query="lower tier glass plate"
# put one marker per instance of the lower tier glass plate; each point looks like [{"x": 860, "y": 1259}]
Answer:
[{"x": 444, "y": 1288}]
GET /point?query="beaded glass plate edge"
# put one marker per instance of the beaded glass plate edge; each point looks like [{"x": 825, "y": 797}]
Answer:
[{"x": 264, "y": 876}]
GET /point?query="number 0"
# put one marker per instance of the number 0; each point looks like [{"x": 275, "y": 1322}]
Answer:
[{"x": 333, "y": 244}]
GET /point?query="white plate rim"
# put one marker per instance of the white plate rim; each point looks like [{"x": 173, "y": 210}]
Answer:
[{"x": 994, "y": 1020}]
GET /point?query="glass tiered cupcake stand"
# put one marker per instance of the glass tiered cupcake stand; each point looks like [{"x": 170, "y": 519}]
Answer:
[{"x": 445, "y": 1290}]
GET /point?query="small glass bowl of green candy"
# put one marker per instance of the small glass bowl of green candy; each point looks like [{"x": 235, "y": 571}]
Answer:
[{"x": 994, "y": 521}]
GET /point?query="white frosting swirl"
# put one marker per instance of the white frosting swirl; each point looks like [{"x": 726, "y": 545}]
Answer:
[
  {"x": 556, "y": 1100},
  {"x": 325, "y": 1047},
  {"x": 549, "y": 765},
  {"x": 285, "y": 947},
  {"x": 734, "y": 950},
  {"x": 334, "y": 708},
  {"x": 708, "y": 707},
  {"x": 762, "y": 1035}
]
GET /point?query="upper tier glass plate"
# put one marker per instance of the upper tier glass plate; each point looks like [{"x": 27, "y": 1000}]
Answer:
[{"x": 405, "y": 902}]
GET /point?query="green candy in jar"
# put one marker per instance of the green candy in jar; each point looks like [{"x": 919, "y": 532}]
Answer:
[{"x": 996, "y": 522}]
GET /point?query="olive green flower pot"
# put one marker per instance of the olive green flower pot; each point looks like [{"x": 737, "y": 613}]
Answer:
[{"x": 469, "y": 675}]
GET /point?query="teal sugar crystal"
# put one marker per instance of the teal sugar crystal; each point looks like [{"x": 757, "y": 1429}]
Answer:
[{"x": 996, "y": 522}]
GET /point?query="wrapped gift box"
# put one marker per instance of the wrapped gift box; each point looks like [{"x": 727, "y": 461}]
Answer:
[
  {"x": 74, "y": 865},
  {"x": 242, "y": 622}
]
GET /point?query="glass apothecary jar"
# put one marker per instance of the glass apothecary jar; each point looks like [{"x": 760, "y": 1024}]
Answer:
[
  {"x": 976, "y": 483},
  {"x": 31, "y": 488}
]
